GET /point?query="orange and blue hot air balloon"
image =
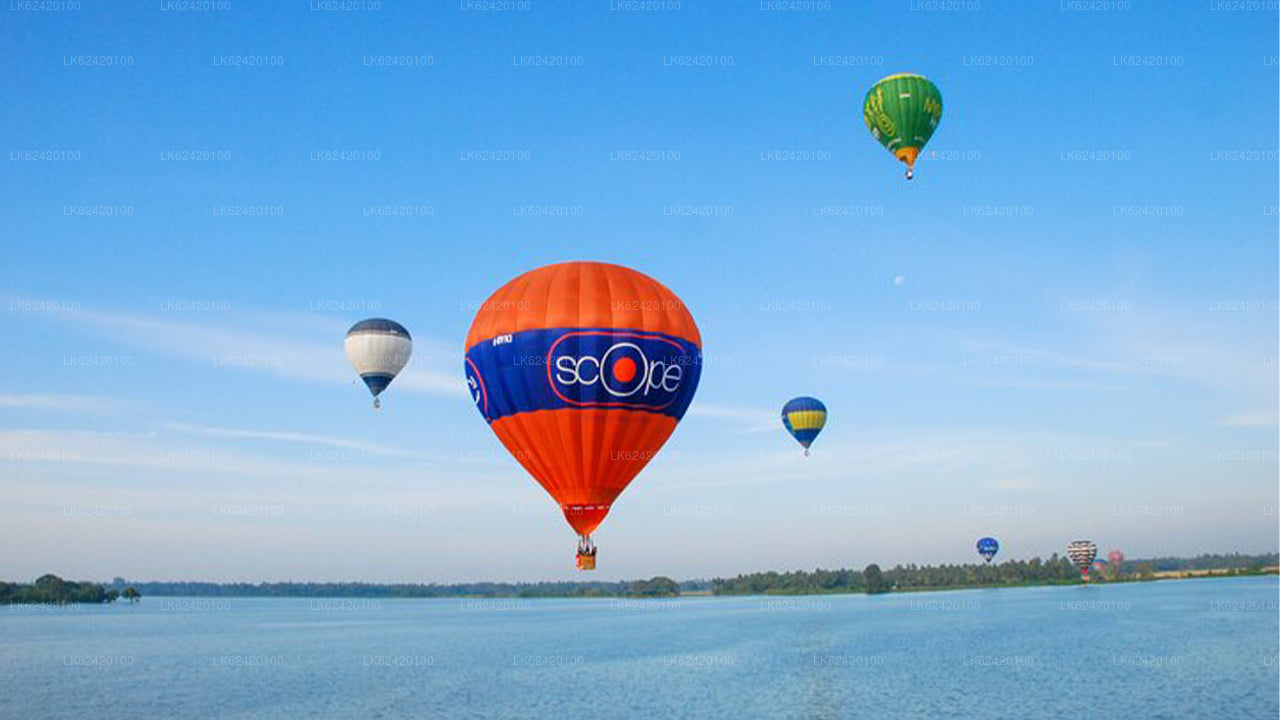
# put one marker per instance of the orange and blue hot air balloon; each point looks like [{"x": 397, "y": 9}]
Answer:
[
  {"x": 804, "y": 418},
  {"x": 583, "y": 370}
]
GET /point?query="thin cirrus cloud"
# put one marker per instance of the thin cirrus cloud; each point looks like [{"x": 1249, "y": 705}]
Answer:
[
  {"x": 1198, "y": 363},
  {"x": 137, "y": 450},
  {"x": 147, "y": 461},
  {"x": 163, "y": 483},
  {"x": 76, "y": 403},
  {"x": 754, "y": 420},
  {"x": 227, "y": 347},
  {"x": 286, "y": 436},
  {"x": 1256, "y": 418}
]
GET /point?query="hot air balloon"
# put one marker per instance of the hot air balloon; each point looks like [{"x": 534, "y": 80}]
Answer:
[
  {"x": 804, "y": 417},
  {"x": 902, "y": 111},
  {"x": 1081, "y": 553},
  {"x": 1115, "y": 559},
  {"x": 378, "y": 349},
  {"x": 583, "y": 370},
  {"x": 987, "y": 548}
]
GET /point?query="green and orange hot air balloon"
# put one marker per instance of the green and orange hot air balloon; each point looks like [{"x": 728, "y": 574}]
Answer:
[{"x": 902, "y": 111}]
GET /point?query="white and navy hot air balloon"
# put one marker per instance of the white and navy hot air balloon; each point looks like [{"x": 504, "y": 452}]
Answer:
[
  {"x": 1081, "y": 553},
  {"x": 378, "y": 349}
]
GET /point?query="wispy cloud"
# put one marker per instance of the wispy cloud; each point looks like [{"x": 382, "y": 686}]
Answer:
[
  {"x": 81, "y": 403},
  {"x": 1153, "y": 356},
  {"x": 754, "y": 419},
  {"x": 286, "y": 437},
  {"x": 165, "y": 463},
  {"x": 275, "y": 352},
  {"x": 1256, "y": 418},
  {"x": 1012, "y": 483}
]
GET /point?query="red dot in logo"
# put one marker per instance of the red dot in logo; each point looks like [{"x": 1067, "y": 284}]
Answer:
[{"x": 624, "y": 370}]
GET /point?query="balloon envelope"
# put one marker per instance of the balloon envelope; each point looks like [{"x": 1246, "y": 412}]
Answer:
[
  {"x": 583, "y": 370},
  {"x": 988, "y": 547},
  {"x": 378, "y": 349},
  {"x": 1081, "y": 553},
  {"x": 804, "y": 418},
  {"x": 902, "y": 112}
]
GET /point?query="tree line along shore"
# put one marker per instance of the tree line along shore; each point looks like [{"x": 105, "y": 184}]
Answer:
[
  {"x": 871, "y": 580},
  {"x": 50, "y": 589}
]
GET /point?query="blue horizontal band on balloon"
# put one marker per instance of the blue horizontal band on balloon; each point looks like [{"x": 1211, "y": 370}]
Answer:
[
  {"x": 579, "y": 368},
  {"x": 377, "y": 382},
  {"x": 806, "y": 436}
]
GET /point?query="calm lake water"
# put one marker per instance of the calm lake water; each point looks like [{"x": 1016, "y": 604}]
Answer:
[{"x": 1176, "y": 649}]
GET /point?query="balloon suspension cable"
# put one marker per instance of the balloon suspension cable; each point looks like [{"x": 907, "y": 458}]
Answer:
[{"x": 585, "y": 545}]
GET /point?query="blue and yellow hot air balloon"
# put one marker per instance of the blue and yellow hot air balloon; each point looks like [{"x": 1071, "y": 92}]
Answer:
[{"x": 804, "y": 417}]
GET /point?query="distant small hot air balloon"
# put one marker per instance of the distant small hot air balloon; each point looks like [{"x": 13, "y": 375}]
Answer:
[
  {"x": 378, "y": 349},
  {"x": 988, "y": 547},
  {"x": 902, "y": 111},
  {"x": 804, "y": 418},
  {"x": 583, "y": 370},
  {"x": 1115, "y": 559},
  {"x": 1081, "y": 553}
]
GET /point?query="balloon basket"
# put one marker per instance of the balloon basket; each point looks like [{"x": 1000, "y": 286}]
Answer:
[{"x": 586, "y": 553}]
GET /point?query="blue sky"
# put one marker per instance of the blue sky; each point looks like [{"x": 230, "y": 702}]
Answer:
[{"x": 1081, "y": 340}]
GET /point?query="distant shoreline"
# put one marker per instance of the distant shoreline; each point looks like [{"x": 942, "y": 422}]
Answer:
[
  {"x": 691, "y": 595},
  {"x": 872, "y": 581},
  {"x": 1156, "y": 577}
]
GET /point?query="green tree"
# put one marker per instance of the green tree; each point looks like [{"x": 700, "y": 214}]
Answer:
[
  {"x": 873, "y": 579},
  {"x": 51, "y": 588},
  {"x": 655, "y": 587},
  {"x": 49, "y": 582},
  {"x": 131, "y": 594}
]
